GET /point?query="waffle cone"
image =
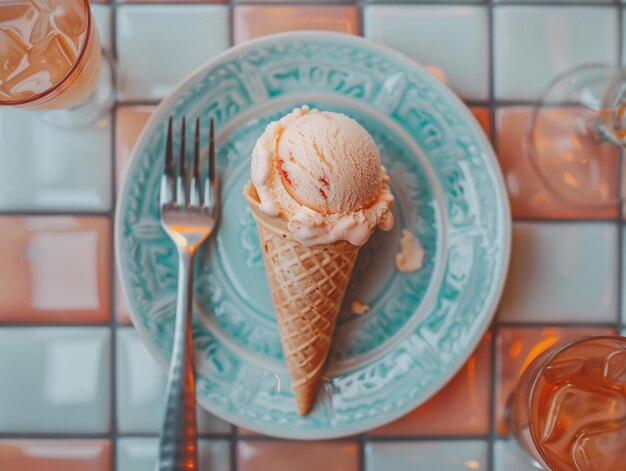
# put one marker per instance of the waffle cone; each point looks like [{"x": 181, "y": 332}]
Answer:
[{"x": 307, "y": 285}]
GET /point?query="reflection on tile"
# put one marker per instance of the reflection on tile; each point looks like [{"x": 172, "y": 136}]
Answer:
[
  {"x": 129, "y": 122},
  {"x": 460, "y": 408},
  {"x": 432, "y": 455},
  {"x": 252, "y": 21},
  {"x": 44, "y": 167},
  {"x": 562, "y": 273},
  {"x": 483, "y": 116},
  {"x": 508, "y": 456},
  {"x": 424, "y": 34},
  {"x": 54, "y": 380},
  {"x": 288, "y": 456},
  {"x": 561, "y": 39},
  {"x": 55, "y": 269},
  {"x": 102, "y": 15},
  {"x": 244, "y": 432},
  {"x": 141, "y": 390},
  {"x": 529, "y": 196},
  {"x": 55, "y": 455},
  {"x": 139, "y": 454},
  {"x": 517, "y": 347},
  {"x": 155, "y": 53}
]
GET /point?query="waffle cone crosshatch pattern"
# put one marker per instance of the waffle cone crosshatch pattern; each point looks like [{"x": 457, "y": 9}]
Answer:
[{"x": 79, "y": 388}]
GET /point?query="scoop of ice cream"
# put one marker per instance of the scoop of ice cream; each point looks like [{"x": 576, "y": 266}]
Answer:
[
  {"x": 329, "y": 162},
  {"x": 322, "y": 172}
]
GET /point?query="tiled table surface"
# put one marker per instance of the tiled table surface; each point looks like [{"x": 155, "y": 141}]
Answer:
[{"x": 78, "y": 390}]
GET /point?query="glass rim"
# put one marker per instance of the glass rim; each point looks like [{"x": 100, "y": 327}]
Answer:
[
  {"x": 49, "y": 91},
  {"x": 549, "y": 359}
]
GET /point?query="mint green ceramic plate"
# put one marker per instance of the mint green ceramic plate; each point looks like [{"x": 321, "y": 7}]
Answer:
[{"x": 421, "y": 327}]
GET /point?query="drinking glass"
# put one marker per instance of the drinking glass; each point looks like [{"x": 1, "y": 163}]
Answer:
[
  {"x": 569, "y": 408},
  {"x": 576, "y": 133},
  {"x": 52, "y": 60}
]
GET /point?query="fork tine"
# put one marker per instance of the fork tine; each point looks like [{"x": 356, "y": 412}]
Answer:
[
  {"x": 212, "y": 151},
  {"x": 169, "y": 151},
  {"x": 181, "y": 180},
  {"x": 210, "y": 184},
  {"x": 194, "y": 191},
  {"x": 167, "y": 179}
]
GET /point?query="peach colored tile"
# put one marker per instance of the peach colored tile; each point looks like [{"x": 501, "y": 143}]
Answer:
[
  {"x": 129, "y": 122},
  {"x": 529, "y": 197},
  {"x": 122, "y": 312},
  {"x": 517, "y": 347},
  {"x": 483, "y": 116},
  {"x": 55, "y": 269},
  {"x": 252, "y": 21},
  {"x": 288, "y": 456},
  {"x": 55, "y": 455},
  {"x": 244, "y": 432},
  {"x": 461, "y": 407},
  {"x": 182, "y": 2}
]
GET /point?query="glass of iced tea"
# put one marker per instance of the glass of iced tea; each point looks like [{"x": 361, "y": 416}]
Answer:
[
  {"x": 50, "y": 51},
  {"x": 569, "y": 409}
]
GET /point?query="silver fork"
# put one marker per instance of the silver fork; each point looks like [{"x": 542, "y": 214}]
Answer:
[{"x": 189, "y": 209}]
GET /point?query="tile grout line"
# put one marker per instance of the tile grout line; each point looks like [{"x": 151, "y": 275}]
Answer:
[
  {"x": 234, "y": 440},
  {"x": 361, "y": 451},
  {"x": 113, "y": 319},
  {"x": 620, "y": 187},
  {"x": 493, "y": 139}
]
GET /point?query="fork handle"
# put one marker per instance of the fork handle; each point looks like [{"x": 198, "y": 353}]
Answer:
[{"x": 178, "y": 441}]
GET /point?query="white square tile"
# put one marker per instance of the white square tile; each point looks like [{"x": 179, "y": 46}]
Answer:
[
  {"x": 103, "y": 15},
  {"x": 533, "y": 44},
  {"x": 141, "y": 390},
  {"x": 139, "y": 454},
  {"x": 432, "y": 35},
  {"x": 601, "y": 2},
  {"x": 431, "y": 455},
  {"x": 508, "y": 456},
  {"x": 44, "y": 167},
  {"x": 54, "y": 380},
  {"x": 159, "y": 45},
  {"x": 562, "y": 272},
  {"x": 424, "y": 1}
]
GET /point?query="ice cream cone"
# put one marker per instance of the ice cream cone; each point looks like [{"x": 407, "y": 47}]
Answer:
[{"x": 307, "y": 286}]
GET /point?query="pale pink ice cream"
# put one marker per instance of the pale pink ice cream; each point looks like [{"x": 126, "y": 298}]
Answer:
[{"x": 322, "y": 172}]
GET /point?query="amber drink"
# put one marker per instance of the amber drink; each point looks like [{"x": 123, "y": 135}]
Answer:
[
  {"x": 50, "y": 53},
  {"x": 569, "y": 410}
]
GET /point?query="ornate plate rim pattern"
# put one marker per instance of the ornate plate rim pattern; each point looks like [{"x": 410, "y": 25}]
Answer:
[{"x": 501, "y": 222}]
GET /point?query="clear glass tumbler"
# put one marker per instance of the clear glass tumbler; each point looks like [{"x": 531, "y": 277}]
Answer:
[
  {"x": 576, "y": 134},
  {"x": 51, "y": 60}
]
